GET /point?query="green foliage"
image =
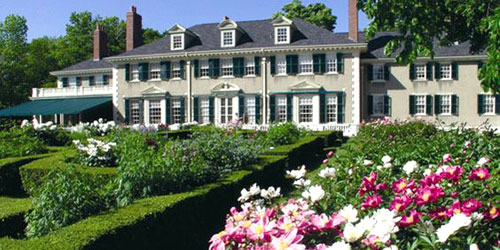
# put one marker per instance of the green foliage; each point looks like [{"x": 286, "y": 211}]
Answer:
[
  {"x": 448, "y": 21},
  {"x": 316, "y": 13},
  {"x": 282, "y": 134},
  {"x": 13, "y": 206},
  {"x": 150, "y": 35},
  {"x": 16, "y": 143},
  {"x": 65, "y": 197},
  {"x": 51, "y": 137}
]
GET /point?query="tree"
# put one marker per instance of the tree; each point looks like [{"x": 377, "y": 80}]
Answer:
[
  {"x": 420, "y": 22},
  {"x": 150, "y": 35},
  {"x": 41, "y": 61},
  {"x": 316, "y": 13}
]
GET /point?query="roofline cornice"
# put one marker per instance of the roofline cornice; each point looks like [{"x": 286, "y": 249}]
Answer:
[
  {"x": 427, "y": 59},
  {"x": 260, "y": 51},
  {"x": 80, "y": 72}
]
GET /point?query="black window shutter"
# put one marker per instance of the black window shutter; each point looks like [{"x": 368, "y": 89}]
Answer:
[
  {"x": 387, "y": 72},
  {"x": 64, "y": 81},
  {"x": 183, "y": 110},
  {"x": 213, "y": 68},
  {"x": 455, "y": 103},
  {"x": 289, "y": 108},
  {"x": 78, "y": 81},
  {"x": 413, "y": 74},
  {"x": 295, "y": 60},
  {"x": 316, "y": 63},
  {"x": 370, "y": 72},
  {"x": 322, "y": 108},
  {"x": 273, "y": 65},
  {"x": 412, "y": 105},
  {"x": 437, "y": 104},
  {"x": 480, "y": 104},
  {"x": 257, "y": 65},
  {"x": 292, "y": 67},
  {"x": 322, "y": 59},
  {"x": 105, "y": 79},
  {"x": 141, "y": 111},
  {"x": 497, "y": 104},
  {"x": 91, "y": 80},
  {"x": 238, "y": 66},
  {"x": 143, "y": 71},
  {"x": 430, "y": 72},
  {"x": 196, "y": 68},
  {"x": 196, "y": 109},
  {"x": 127, "y": 72},
  {"x": 428, "y": 104},
  {"x": 437, "y": 71},
  {"x": 272, "y": 108},
  {"x": 387, "y": 105},
  {"x": 341, "y": 108},
  {"x": 182, "y": 65},
  {"x": 257, "y": 109},
  {"x": 165, "y": 70},
  {"x": 454, "y": 71},
  {"x": 241, "y": 104},
  {"x": 167, "y": 110},
  {"x": 211, "y": 109},
  {"x": 340, "y": 63},
  {"x": 127, "y": 111},
  {"x": 370, "y": 105}
]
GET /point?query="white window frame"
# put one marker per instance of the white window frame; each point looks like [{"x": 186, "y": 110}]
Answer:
[
  {"x": 226, "y": 69},
  {"x": 278, "y": 37},
  {"x": 378, "y": 108},
  {"x": 226, "y": 110},
  {"x": 420, "y": 72},
  {"x": 281, "y": 109},
  {"x": 378, "y": 72},
  {"x": 177, "y": 45},
  {"x": 281, "y": 66},
  {"x": 249, "y": 66},
  {"x": 134, "y": 73},
  {"x": 419, "y": 105},
  {"x": 176, "y": 70},
  {"x": 135, "y": 111},
  {"x": 446, "y": 104},
  {"x": 306, "y": 64},
  {"x": 155, "y": 111},
  {"x": 304, "y": 103},
  {"x": 204, "y": 111},
  {"x": 250, "y": 109},
  {"x": 232, "y": 39},
  {"x": 155, "y": 72},
  {"x": 176, "y": 111},
  {"x": 446, "y": 68},
  {"x": 204, "y": 69},
  {"x": 332, "y": 108},
  {"x": 331, "y": 64},
  {"x": 489, "y": 104}
]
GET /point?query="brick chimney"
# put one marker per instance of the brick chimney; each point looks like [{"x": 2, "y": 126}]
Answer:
[
  {"x": 353, "y": 20},
  {"x": 134, "y": 29},
  {"x": 100, "y": 43}
]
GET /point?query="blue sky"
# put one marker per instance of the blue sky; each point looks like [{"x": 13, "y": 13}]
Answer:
[{"x": 49, "y": 17}]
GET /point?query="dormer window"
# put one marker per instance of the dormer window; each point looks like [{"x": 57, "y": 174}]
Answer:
[
  {"x": 230, "y": 33},
  {"x": 177, "y": 42},
  {"x": 227, "y": 38},
  {"x": 282, "y": 35},
  {"x": 283, "y": 29}
]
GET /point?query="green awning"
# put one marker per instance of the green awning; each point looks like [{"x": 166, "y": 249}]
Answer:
[{"x": 67, "y": 106}]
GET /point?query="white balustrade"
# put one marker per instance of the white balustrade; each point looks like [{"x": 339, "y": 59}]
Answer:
[{"x": 104, "y": 90}]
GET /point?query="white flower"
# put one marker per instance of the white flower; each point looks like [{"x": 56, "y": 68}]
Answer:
[
  {"x": 392, "y": 247},
  {"x": 483, "y": 161},
  {"x": 270, "y": 193},
  {"x": 352, "y": 233},
  {"x": 410, "y": 166},
  {"x": 349, "y": 171},
  {"x": 314, "y": 193},
  {"x": 254, "y": 190},
  {"x": 386, "y": 159},
  {"x": 25, "y": 123},
  {"x": 340, "y": 246},
  {"x": 428, "y": 172},
  {"x": 327, "y": 173},
  {"x": 473, "y": 247},
  {"x": 476, "y": 216},
  {"x": 367, "y": 162},
  {"x": 366, "y": 224},
  {"x": 302, "y": 183},
  {"x": 349, "y": 213},
  {"x": 297, "y": 174},
  {"x": 245, "y": 195},
  {"x": 387, "y": 165},
  {"x": 456, "y": 222},
  {"x": 379, "y": 167}
]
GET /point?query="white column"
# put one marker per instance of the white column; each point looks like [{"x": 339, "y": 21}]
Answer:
[
  {"x": 356, "y": 89},
  {"x": 114, "y": 91},
  {"x": 264, "y": 90},
  {"x": 189, "y": 91}
]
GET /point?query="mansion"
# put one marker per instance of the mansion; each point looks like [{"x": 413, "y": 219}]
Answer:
[{"x": 266, "y": 71}]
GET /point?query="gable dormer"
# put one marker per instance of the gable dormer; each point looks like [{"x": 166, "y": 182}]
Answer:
[
  {"x": 180, "y": 37},
  {"x": 283, "y": 30},
  {"x": 230, "y": 33}
]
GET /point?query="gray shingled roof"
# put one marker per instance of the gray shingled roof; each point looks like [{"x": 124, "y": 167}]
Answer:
[
  {"x": 89, "y": 65},
  {"x": 258, "y": 34},
  {"x": 376, "y": 47}
]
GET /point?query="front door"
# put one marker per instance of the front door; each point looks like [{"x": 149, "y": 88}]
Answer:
[{"x": 226, "y": 110}]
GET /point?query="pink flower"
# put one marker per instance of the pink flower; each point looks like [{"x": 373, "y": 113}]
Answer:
[
  {"x": 371, "y": 202},
  {"x": 372, "y": 241},
  {"x": 492, "y": 213},
  {"x": 218, "y": 241},
  {"x": 480, "y": 174},
  {"x": 368, "y": 184},
  {"x": 400, "y": 203},
  {"x": 381, "y": 187},
  {"x": 471, "y": 206},
  {"x": 446, "y": 158},
  {"x": 323, "y": 222},
  {"x": 285, "y": 224},
  {"x": 330, "y": 154},
  {"x": 412, "y": 219},
  {"x": 428, "y": 195},
  {"x": 325, "y": 161},
  {"x": 440, "y": 213},
  {"x": 430, "y": 180},
  {"x": 262, "y": 230},
  {"x": 455, "y": 208},
  {"x": 401, "y": 185},
  {"x": 289, "y": 241},
  {"x": 452, "y": 173}
]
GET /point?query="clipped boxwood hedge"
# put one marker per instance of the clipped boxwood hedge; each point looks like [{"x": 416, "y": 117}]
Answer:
[
  {"x": 178, "y": 221},
  {"x": 12, "y": 212}
]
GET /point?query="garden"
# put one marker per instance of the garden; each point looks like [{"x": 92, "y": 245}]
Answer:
[{"x": 98, "y": 185}]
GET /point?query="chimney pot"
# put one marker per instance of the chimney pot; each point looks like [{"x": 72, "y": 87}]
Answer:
[{"x": 353, "y": 21}]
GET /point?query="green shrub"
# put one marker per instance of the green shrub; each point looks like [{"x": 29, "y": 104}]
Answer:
[
  {"x": 65, "y": 197},
  {"x": 15, "y": 142},
  {"x": 49, "y": 136},
  {"x": 283, "y": 133}
]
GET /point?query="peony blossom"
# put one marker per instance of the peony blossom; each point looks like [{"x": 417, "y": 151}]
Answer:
[
  {"x": 446, "y": 158},
  {"x": 492, "y": 213},
  {"x": 473, "y": 247},
  {"x": 340, "y": 246},
  {"x": 428, "y": 195},
  {"x": 330, "y": 154},
  {"x": 327, "y": 173},
  {"x": 297, "y": 174},
  {"x": 452, "y": 173},
  {"x": 301, "y": 183},
  {"x": 401, "y": 185},
  {"x": 386, "y": 159},
  {"x": 270, "y": 193},
  {"x": 367, "y": 162},
  {"x": 483, "y": 161},
  {"x": 371, "y": 202},
  {"x": 440, "y": 213},
  {"x": 400, "y": 203},
  {"x": 289, "y": 241},
  {"x": 480, "y": 174},
  {"x": 410, "y": 166},
  {"x": 314, "y": 193},
  {"x": 349, "y": 213},
  {"x": 456, "y": 222},
  {"x": 412, "y": 219},
  {"x": 471, "y": 206}
]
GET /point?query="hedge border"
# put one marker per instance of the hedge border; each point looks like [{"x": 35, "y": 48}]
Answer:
[
  {"x": 12, "y": 212},
  {"x": 134, "y": 226}
]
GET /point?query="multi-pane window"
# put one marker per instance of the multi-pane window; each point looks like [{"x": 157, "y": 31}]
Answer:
[
  {"x": 135, "y": 72},
  {"x": 176, "y": 70},
  {"x": 154, "y": 111},
  {"x": 331, "y": 63},
  {"x": 489, "y": 104},
  {"x": 378, "y": 104},
  {"x": 281, "y": 62},
  {"x": 204, "y": 111},
  {"x": 227, "y": 38},
  {"x": 155, "y": 74},
  {"x": 305, "y": 109},
  {"x": 176, "y": 111},
  {"x": 420, "y": 107},
  {"x": 250, "y": 109},
  {"x": 446, "y": 71},
  {"x": 421, "y": 71},
  {"x": 281, "y": 115},
  {"x": 226, "y": 110},
  {"x": 445, "y": 105},
  {"x": 135, "y": 112},
  {"x": 204, "y": 68},
  {"x": 250, "y": 66},
  {"x": 282, "y": 35},
  {"x": 227, "y": 67},
  {"x": 91, "y": 80},
  {"x": 378, "y": 72},
  {"x": 177, "y": 41},
  {"x": 78, "y": 81},
  {"x": 306, "y": 64},
  {"x": 331, "y": 109}
]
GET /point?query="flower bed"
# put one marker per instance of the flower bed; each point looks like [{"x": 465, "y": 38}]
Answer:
[{"x": 433, "y": 190}]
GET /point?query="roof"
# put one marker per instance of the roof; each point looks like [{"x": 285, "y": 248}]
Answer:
[
  {"x": 89, "y": 65},
  {"x": 376, "y": 47},
  {"x": 258, "y": 34},
  {"x": 68, "y": 106}
]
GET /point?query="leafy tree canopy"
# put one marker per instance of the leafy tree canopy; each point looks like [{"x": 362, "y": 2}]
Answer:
[
  {"x": 316, "y": 13},
  {"x": 448, "y": 21}
]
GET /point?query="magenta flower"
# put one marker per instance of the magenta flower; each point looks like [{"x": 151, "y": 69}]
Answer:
[
  {"x": 368, "y": 184},
  {"x": 446, "y": 158},
  {"x": 492, "y": 213},
  {"x": 289, "y": 241},
  {"x": 428, "y": 195},
  {"x": 325, "y": 161},
  {"x": 262, "y": 230},
  {"x": 471, "y": 206},
  {"x": 455, "y": 208},
  {"x": 371, "y": 202},
  {"x": 401, "y": 185},
  {"x": 330, "y": 154},
  {"x": 430, "y": 180},
  {"x": 452, "y": 173},
  {"x": 218, "y": 241},
  {"x": 480, "y": 174},
  {"x": 412, "y": 219},
  {"x": 400, "y": 203},
  {"x": 440, "y": 213}
]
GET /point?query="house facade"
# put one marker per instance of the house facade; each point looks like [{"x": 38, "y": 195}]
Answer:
[{"x": 265, "y": 71}]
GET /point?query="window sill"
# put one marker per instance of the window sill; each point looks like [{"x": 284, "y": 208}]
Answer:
[
  {"x": 421, "y": 80},
  {"x": 154, "y": 80},
  {"x": 227, "y": 77},
  {"x": 305, "y": 74},
  {"x": 378, "y": 81},
  {"x": 332, "y": 73},
  {"x": 379, "y": 115},
  {"x": 281, "y": 75},
  {"x": 489, "y": 114},
  {"x": 445, "y": 115},
  {"x": 250, "y": 76},
  {"x": 134, "y": 81},
  {"x": 421, "y": 115},
  {"x": 176, "y": 79},
  {"x": 204, "y": 77},
  {"x": 446, "y": 80}
]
